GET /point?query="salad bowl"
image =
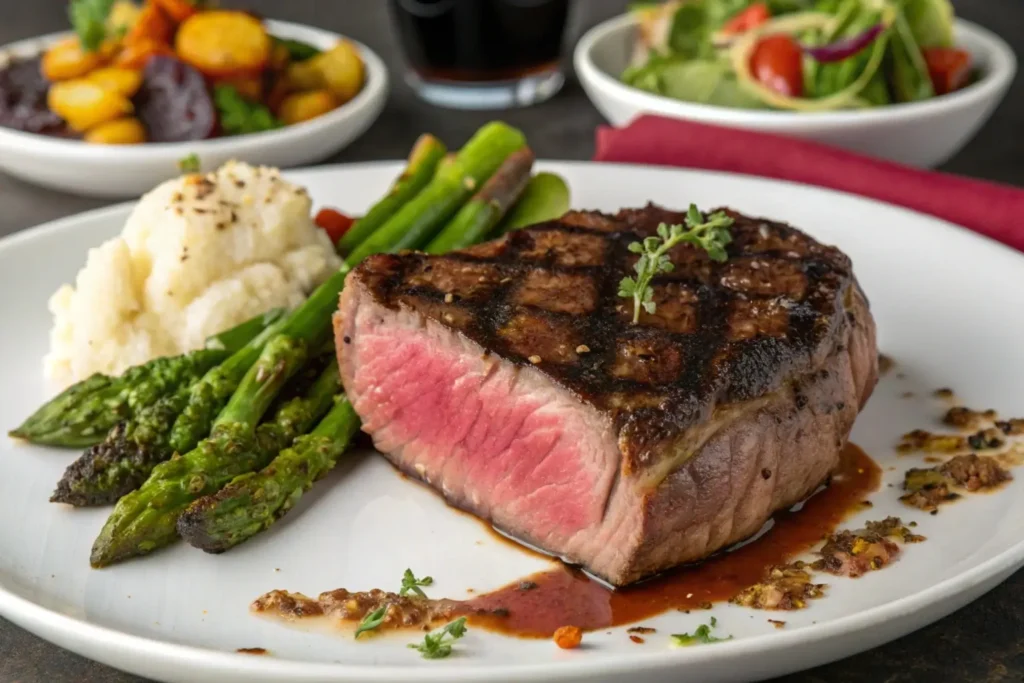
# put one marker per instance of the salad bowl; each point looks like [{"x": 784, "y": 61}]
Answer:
[{"x": 924, "y": 133}]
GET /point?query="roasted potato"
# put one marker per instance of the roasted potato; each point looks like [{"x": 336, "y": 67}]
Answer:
[
  {"x": 118, "y": 79},
  {"x": 67, "y": 59},
  {"x": 224, "y": 44},
  {"x": 126, "y": 131},
  {"x": 339, "y": 70},
  {"x": 303, "y": 106},
  {"x": 84, "y": 104},
  {"x": 342, "y": 69}
]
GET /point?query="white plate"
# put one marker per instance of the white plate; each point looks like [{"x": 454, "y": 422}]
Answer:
[
  {"x": 941, "y": 299},
  {"x": 129, "y": 170},
  {"x": 918, "y": 133}
]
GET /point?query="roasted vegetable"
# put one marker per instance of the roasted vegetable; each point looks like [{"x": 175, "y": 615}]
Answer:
[
  {"x": 67, "y": 59},
  {"x": 126, "y": 131},
  {"x": 339, "y": 70},
  {"x": 151, "y": 25},
  {"x": 303, "y": 106},
  {"x": 120, "y": 80},
  {"x": 136, "y": 55},
  {"x": 84, "y": 104},
  {"x": 174, "y": 103},
  {"x": 177, "y": 10},
  {"x": 222, "y": 43}
]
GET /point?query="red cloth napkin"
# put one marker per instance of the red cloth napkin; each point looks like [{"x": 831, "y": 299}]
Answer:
[{"x": 990, "y": 209}]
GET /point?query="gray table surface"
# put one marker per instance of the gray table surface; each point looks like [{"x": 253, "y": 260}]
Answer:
[{"x": 983, "y": 642}]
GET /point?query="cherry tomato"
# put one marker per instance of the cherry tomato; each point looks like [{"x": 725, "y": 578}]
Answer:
[
  {"x": 948, "y": 67},
  {"x": 752, "y": 17},
  {"x": 334, "y": 223},
  {"x": 777, "y": 63}
]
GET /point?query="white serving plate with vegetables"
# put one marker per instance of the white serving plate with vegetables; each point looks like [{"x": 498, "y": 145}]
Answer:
[
  {"x": 182, "y": 615},
  {"x": 828, "y": 75},
  {"x": 123, "y": 170}
]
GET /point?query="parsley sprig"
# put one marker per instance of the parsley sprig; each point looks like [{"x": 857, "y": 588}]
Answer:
[
  {"x": 701, "y": 636},
  {"x": 190, "y": 163},
  {"x": 710, "y": 234},
  {"x": 372, "y": 620},
  {"x": 438, "y": 644},
  {"x": 89, "y": 19},
  {"x": 410, "y": 584}
]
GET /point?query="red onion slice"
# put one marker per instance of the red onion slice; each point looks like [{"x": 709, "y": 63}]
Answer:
[{"x": 846, "y": 48}]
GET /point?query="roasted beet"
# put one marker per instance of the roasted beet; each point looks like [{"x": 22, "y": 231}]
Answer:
[
  {"x": 174, "y": 102},
  {"x": 23, "y": 91}
]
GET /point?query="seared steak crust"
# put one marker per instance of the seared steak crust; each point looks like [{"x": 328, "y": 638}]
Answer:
[
  {"x": 721, "y": 332},
  {"x": 730, "y": 401}
]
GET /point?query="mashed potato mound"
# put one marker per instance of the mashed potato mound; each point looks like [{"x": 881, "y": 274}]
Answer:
[{"x": 198, "y": 254}]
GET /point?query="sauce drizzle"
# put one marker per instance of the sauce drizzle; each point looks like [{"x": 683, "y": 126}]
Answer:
[{"x": 568, "y": 596}]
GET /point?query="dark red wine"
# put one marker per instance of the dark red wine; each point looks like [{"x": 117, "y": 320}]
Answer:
[{"x": 480, "y": 40}]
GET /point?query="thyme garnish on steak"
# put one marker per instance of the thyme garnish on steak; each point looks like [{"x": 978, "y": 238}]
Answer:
[
  {"x": 710, "y": 234},
  {"x": 410, "y": 584}
]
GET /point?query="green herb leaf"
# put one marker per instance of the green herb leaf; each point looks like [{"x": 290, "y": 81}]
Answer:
[
  {"x": 89, "y": 20},
  {"x": 410, "y": 584},
  {"x": 372, "y": 620},
  {"x": 701, "y": 636},
  {"x": 298, "y": 51},
  {"x": 438, "y": 644},
  {"x": 239, "y": 116},
  {"x": 710, "y": 234},
  {"x": 190, "y": 164}
]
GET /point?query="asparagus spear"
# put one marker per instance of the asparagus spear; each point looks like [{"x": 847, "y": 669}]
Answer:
[
  {"x": 145, "y": 519},
  {"x": 254, "y": 501},
  {"x": 451, "y": 186},
  {"x": 546, "y": 197},
  {"x": 481, "y": 213},
  {"x": 426, "y": 154},
  {"x": 83, "y": 413}
]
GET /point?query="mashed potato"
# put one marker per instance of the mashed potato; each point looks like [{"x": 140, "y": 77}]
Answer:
[{"x": 197, "y": 255}]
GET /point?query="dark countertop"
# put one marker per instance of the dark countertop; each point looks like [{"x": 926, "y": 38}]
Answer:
[{"x": 982, "y": 643}]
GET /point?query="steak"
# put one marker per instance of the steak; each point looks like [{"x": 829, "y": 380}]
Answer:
[{"x": 509, "y": 377}]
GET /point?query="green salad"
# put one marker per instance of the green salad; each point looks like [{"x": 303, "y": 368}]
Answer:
[{"x": 798, "y": 55}]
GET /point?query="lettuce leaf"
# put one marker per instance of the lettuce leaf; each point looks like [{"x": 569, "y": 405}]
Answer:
[{"x": 930, "y": 22}]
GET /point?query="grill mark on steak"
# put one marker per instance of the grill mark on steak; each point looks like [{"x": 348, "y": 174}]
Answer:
[{"x": 771, "y": 266}]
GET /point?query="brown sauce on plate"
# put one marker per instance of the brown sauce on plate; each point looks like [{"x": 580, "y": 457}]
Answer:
[
  {"x": 537, "y": 605},
  {"x": 568, "y": 596}
]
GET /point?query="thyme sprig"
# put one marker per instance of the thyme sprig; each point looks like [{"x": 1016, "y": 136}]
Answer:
[{"x": 710, "y": 234}]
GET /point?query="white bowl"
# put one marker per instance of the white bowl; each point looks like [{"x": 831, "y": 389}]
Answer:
[
  {"x": 919, "y": 133},
  {"x": 123, "y": 171}
]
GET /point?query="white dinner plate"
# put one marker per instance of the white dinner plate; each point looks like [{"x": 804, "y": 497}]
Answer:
[
  {"x": 944, "y": 301},
  {"x": 120, "y": 171}
]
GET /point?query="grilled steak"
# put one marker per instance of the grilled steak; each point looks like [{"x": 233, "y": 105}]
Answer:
[{"x": 509, "y": 377}]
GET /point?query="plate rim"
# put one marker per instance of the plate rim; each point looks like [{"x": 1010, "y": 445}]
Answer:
[{"x": 52, "y": 625}]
